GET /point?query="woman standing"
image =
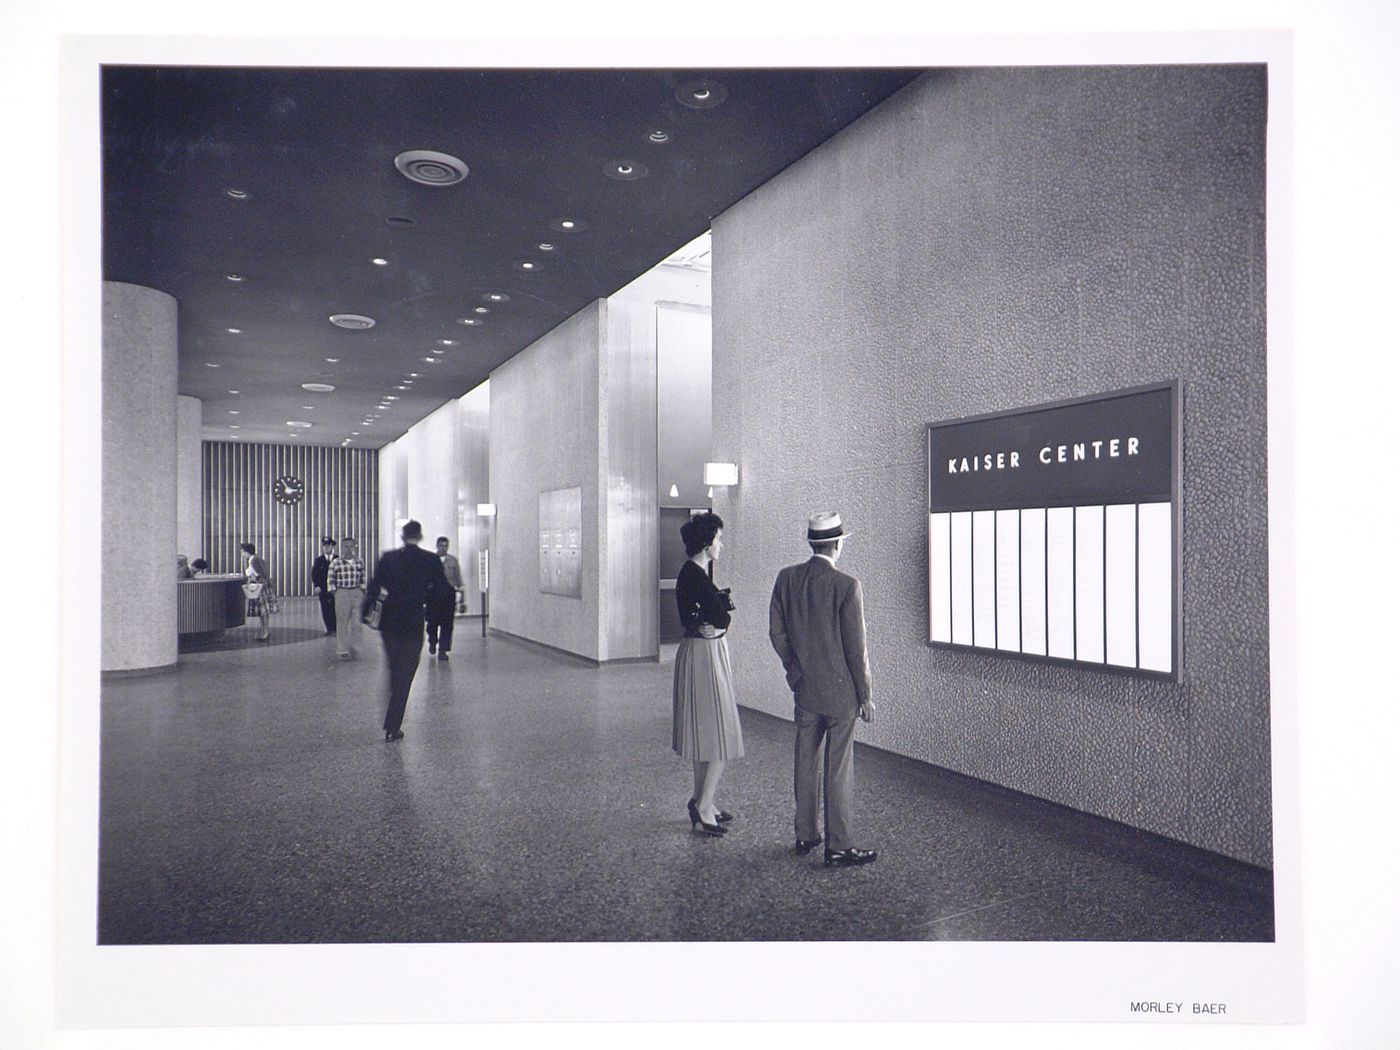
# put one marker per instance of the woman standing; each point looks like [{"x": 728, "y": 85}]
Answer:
[
  {"x": 705, "y": 717},
  {"x": 255, "y": 570}
]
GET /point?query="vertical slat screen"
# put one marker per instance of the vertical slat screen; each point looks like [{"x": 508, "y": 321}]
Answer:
[{"x": 340, "y": 498}]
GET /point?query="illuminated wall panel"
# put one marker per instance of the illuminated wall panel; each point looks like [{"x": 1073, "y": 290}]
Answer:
[{"x": 1060, "y": 525}]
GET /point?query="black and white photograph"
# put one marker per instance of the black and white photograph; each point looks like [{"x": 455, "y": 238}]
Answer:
[{"x": 697, "y": 523}]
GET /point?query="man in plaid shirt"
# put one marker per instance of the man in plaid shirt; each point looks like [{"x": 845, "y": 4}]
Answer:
[{"x": 346, "y": 580}]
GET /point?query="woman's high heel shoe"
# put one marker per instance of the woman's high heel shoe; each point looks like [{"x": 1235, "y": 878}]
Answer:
[
  {"x": 721, "y": 817},
  {"x": 699, "y": 826}
]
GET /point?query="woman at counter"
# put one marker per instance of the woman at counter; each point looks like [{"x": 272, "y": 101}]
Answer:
[{"x": 255, "y": 571}]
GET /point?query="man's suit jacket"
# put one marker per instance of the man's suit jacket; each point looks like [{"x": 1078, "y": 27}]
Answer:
[
  {"x": 319, "y": 568},
  {"x": 816, "y": 622},
  {"x": 412, "y": 577}
]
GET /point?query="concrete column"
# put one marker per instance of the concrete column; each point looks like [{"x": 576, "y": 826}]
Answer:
[
  {"x": 139, "y": 390},
  {"x": 189, "y": 485}
]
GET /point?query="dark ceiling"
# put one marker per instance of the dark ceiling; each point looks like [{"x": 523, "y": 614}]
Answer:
[{"x": 313, "y": 150}]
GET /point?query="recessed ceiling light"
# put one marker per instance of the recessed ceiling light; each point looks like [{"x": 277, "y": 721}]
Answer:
[
  {"x": 234, "y": 412},
  {"x": 355, "y": 433},
  {"x": 234, "y": 331},
  {"x": 447, "y": 342},
  {"x": 233, "y": 426},
  {"x": 569, "y": 225},
  {"x": 391, "y": 397},
  {"x": 434, "y": 360},
  {"x": 235, "y": 437},
  {"x": 430, "y": 168},
  {"x": 496, "y": 297},
  {"x": 658, "y": 136},
  {"x": 529, "y": 266},
  {"x": 625, "y": 170},
  {"x": 309, "y": 406},
  {"x": 481, "y": 309},
  {"x": 211, "y": 364},
  {"x": 545, "y": 246},
  {"x": 400, "y": 387},
  {"x": 352, "y": 321},
  {"x": 401, "y": 221},
  {"x": 298, "y": 423},
  {"x": 333, "y": 360},
  {"x": 235, "y": 277},
  {"x": 234, "y": 392},
  {"x": 701, "y": 94},
  {"x": 317, "y": 388},
  {"x": 238, "y": 195},
  {"x": 413, "y": 374},
  {"x": 380, "y": 262},
  {"x": 472, "y": 320}
]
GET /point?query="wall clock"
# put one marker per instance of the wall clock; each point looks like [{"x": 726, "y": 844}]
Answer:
[{"x": 288, "y": 490}]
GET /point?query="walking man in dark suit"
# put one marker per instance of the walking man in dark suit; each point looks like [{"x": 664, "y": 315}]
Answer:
[
  {"x": 816, "y": 622},
  {"x": 409, "y": 579},
  {"x": 319, "y": 569}
]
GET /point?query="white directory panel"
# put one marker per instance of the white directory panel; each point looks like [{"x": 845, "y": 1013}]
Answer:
[
  {"x": 1009, "y": 580},
  {"x": 1154, "y": 600},
  {"x": 984, "y": 579},
  {"x": 1120, "y": 584},
  {"x": 940, "y": 579},
  {"x": 960, "y": 531},
  {"x": 1059, "y": 582},
  {"x": 1088, "y": 584},
  {"x": 1033, "y": 581}
]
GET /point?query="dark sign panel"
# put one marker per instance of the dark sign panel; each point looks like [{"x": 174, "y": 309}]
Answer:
[
  {"x": 1055, "y": 532},
  {"x": 1111, "y": 449}
]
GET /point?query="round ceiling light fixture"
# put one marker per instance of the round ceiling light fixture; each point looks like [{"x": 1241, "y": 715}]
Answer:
[
  {"x": 568, "y": 225},
  {"x": 433, "y": 360},
  {"x": 659, "y": 136},
  {"x": 380, "y": 262},
  {"x": 701, "y": 94},
  {"x": 236, "y": 278},
  {"x": 447, "y": 342},
  {"x": 545, "y": 246},
  {"x": 238, "y": 195},
  {"x": 234, "y": 393},
  {"x": 625, "y": 170},
  {"x": 481, "y": 309},
  {"x": 355, "y": 322},
  {"x": 528, "y": 267},
  {"x": 402, "y": 222},
  {"x": 234, "y": 331},
  {"x": 496, "y": 297},
  {"x": 333, "y": 360},
  {"x": 318, "y": 388},
  {"x": 469, "y": 320},
  {"x": 211, "y": 364},
  {"x": 300, "y": 423},
  {"x": 430, "y": 168}
]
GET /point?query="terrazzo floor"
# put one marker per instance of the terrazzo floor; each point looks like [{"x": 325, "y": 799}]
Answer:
[{"x": 249, "y": 797}]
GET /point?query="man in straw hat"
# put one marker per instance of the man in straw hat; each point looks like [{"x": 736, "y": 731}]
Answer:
[{"x": 816, "y": 621}]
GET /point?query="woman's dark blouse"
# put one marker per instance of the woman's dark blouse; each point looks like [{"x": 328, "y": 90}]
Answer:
[{"x": 699, "y": 600}]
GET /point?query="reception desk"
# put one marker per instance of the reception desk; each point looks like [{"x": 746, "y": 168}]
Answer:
[{"x": 207, "y": 605}]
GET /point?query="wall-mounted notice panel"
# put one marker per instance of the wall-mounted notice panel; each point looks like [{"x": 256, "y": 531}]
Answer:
[
  {"x": 1054, "y": 532},
  {"x": 561, "y": 547}
]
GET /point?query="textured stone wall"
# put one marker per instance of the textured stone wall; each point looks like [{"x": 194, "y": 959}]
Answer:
[
  {"x": 545, "y": 436},
  {"x": 983, "y": 240}
]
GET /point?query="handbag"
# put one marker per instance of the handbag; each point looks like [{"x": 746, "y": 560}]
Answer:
[
  {"x": 253, "y": 592},
  {"x": 372, "y": 611}
]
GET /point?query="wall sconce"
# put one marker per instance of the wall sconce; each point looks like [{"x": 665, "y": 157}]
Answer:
[
  {"x": 722, "y": 474},
  {"x": 486, "y": 510}
]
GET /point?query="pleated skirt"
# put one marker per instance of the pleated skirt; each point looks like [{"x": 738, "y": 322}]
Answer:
[{"x": 704, "y": 712}]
